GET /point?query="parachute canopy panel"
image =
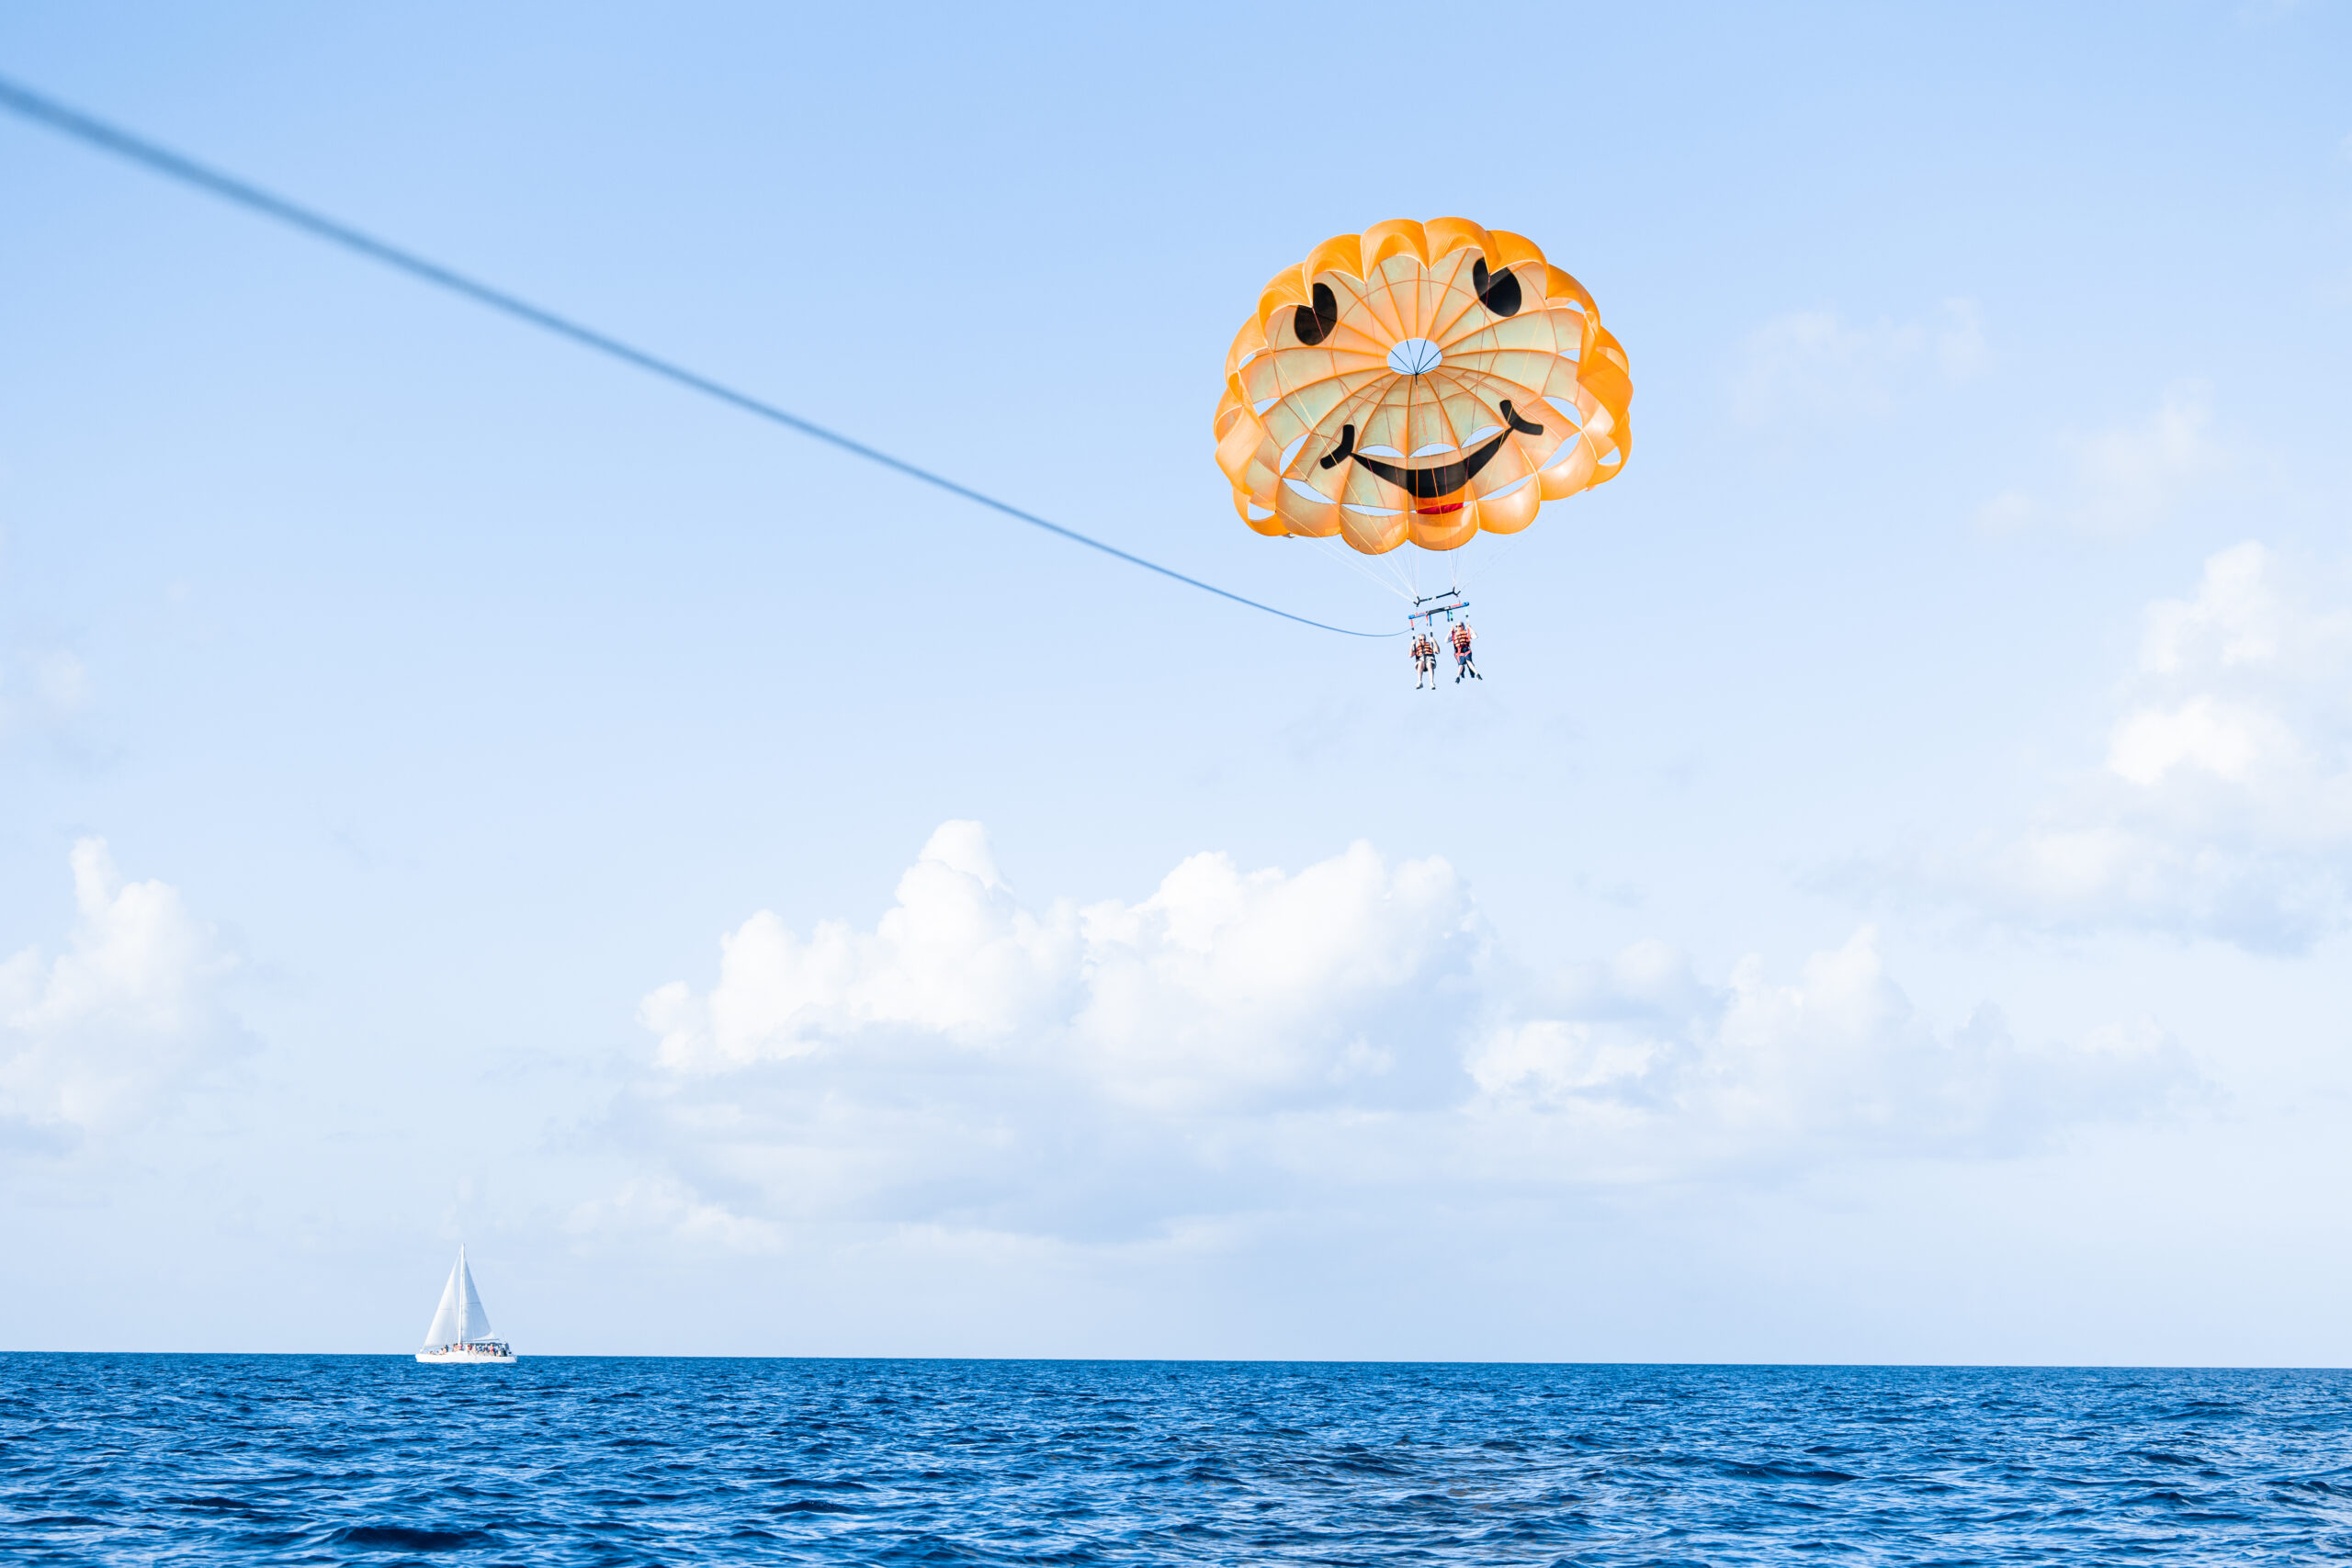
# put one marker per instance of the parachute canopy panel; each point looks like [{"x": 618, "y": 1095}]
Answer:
[{"x": 1420, "y": 383}]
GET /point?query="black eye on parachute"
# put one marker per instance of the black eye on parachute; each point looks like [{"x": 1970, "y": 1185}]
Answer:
[
  {"x": 1313, "y": 326},
  {"x": 1498, "y": 291}
]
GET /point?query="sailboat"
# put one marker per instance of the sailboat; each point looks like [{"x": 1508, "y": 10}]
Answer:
[{"x": 460, "y": 1330}]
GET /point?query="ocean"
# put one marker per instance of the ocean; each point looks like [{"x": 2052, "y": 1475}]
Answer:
[{"x": 586, "y": 1460}]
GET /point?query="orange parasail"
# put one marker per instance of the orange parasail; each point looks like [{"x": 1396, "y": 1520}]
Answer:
[{"x": 1417, "y": 383}]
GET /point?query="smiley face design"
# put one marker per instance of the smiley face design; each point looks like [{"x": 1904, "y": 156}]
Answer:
[{"x": 1420, "y": 383}]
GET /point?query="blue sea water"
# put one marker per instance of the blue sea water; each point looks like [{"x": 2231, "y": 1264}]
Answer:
[{"x": 336, "y": 1459}]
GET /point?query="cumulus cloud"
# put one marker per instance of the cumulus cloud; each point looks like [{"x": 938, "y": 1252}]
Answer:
[
  {"x": 1249, "y": 1042},
  {"x": 128, "y": 1013},
  {"x": 663, "y": 1204},
  {"x": 1810, "y": 364},
  {"x": 2126, "y": 477},
  {"x": 2224, "y": 804},
  {"x": 1662, "y": 1076},
  {"x": 1221, "y": 988},
  {"x": 956, "y": 957}
]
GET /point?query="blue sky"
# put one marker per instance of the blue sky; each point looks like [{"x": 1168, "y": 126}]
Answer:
[{"x": 1888, "y": 900}]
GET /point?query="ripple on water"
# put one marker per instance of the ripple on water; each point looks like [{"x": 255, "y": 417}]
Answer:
[{"x": 213, "y": 1460}]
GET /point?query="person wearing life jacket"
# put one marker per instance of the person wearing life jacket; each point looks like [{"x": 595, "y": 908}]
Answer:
[
  {"x": 1462, "y": 636},
  {"x": 1424, "y": 662}
]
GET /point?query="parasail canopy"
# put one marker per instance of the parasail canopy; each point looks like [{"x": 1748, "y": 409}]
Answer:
[{"x": 1418, "y": 383}]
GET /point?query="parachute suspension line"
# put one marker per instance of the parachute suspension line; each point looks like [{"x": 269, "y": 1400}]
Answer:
[
  {"x": 31, "y": 105},
  {"x": 1406, "y": 574},
  {"x": 1510, "y": 542},
  {"x": 1343, "y": 554}
]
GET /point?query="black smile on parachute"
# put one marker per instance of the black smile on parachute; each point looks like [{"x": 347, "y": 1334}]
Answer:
[{"x": 1435, "y": 482}]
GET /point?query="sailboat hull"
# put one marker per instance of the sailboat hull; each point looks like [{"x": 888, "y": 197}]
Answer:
[{"x": 466, "y": 1357}]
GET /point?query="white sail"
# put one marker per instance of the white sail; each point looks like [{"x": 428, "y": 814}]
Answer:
[
  {"x": 460, "y": 1318},
  {"x": 445, "y": 1317},
  {"x": 473, "y": 1322}
]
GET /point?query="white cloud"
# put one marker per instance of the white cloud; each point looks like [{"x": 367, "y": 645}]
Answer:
[
  {"x": 1220, "y": 987},
  {"x": 1838, "y": 1063},
  {"x": 2231, "y": 744},
  {"x": 664, "y": 1205},
  {"x": 2223, "y": 807},
  {"x": 2126, "y": 477},
  {"x": 1240, "y": 1042},
  {"x": 127, "y": 1014},
  {"x": 956, "y": 956},
  {"x": 2243, "y": 618},
  {"x": 1808, "y": 364}
]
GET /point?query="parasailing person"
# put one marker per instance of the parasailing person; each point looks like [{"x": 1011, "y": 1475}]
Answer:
[{"x": 1462, "y": 636}]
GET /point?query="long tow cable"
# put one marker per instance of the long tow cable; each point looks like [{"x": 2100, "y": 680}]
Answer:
[{"x": 29, "y": 105}]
